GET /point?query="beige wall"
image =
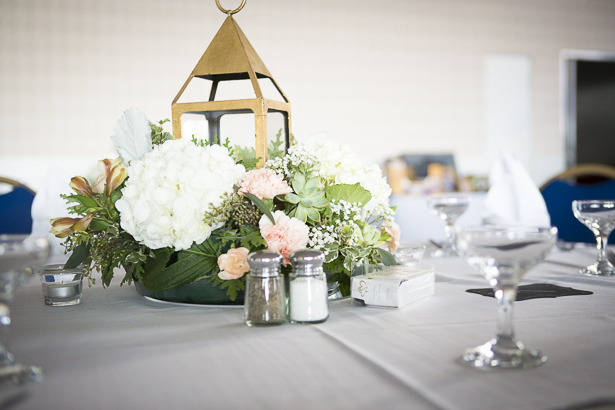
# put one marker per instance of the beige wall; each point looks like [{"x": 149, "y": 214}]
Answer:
[{"x": 385, "y": 76}]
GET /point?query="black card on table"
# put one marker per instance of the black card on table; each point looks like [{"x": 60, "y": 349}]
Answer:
[{"x": 536, "y": 291}]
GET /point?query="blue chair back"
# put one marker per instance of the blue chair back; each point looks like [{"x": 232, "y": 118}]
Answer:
[
  {"x": 559, "y": 195},
  {"x": 15, "y": 211}
]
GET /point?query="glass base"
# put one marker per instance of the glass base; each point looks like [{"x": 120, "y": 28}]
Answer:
[
  {"x": 308, "y": 322},
  {"x": 493, "y": 355},
  {"x": 599, "y": 269},
  {"x": 334, "y": 292},
  {"x": 60, "y": 302},
  {"x": 264, "y": 324},
  {"x": 17, "y": 374}
]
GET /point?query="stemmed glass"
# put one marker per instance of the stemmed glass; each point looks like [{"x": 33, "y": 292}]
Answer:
[
  {"x": 20, "y": 256},
  {"x": 448, "y": 207},
  {"x": 599, "y": 217},
  {"x": 503, "y": 255}
]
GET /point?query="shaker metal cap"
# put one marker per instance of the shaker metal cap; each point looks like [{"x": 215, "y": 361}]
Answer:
[
  {"x": 307, "y": 257},
  {"x": 264, "y": 260}
]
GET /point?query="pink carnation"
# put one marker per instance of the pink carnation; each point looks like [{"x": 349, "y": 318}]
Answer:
[
  {"x": 286, "y": 236},
  {"x": 264, "y": 184}
]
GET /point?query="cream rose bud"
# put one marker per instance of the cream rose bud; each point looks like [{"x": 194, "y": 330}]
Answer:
[
  {"x": 99, "y": 185},
  {"x": 233, "y": 264},
  {"x": 392, "y": 229}
]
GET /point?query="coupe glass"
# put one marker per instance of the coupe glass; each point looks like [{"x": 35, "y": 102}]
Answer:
[
  {"x": 448, "y": 207},
  {"x": 503, "y": 255},
  {"x": 20, "y": 256},
  {"x": 599, "y": 217}
]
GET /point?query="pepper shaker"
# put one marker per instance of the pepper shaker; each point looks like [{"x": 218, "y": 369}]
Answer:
[
  {"x": 265, "y": 300},
  {"x": 308, "y": 288}
]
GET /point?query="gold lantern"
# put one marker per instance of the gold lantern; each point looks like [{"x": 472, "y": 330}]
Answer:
[{"x": 230, "y": 56}]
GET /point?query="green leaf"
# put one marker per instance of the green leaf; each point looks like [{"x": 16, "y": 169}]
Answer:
[
  {"x": 312, "y": 183},
  {"x": 313, "y": 215},
  {"x": 191, "y": 265},
  {"x": 115, "y": 195},
  {"x": 232, "y": 287},
  {"x": 331, "y": 256},
  {"x": 251, "y": 238},
  {"x": 85, "y": 201},
  {"x": 319, "y": 202},
  {"x": 298, "y": 182},
  {"x": 80, "y": 254},
  {"x": 98, "y": 225},
  {"x": 301, "y": 213},
  {"x": 261, "y": 206},
  {"x": 292, "y": 198},
  {"x": 348, "y": 193},
  {"x": 107, "y": 275},
  {"x": 387, "y": 258},
  {"x": 348, "y": 262}
]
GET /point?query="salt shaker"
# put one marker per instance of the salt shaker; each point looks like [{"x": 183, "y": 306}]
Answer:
[
  {"x": 265, "y": 300},
  {"x": 308, "y": 288}
]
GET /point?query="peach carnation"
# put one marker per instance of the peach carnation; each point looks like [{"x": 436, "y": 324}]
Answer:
[
  {"x": 286, "y": 236},
  {"x": 264, "y": 184},
  {"x": 233, "y": 264}
]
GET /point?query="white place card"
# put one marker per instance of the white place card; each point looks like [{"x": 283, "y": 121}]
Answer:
[{"x": 393, "y": 286}]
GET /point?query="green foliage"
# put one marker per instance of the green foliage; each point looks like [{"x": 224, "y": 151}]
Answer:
[
  {"x": 246, "y": 156},
  {"x": 248, "y": 236},
  {"x": 308, "y": 200},
  {"x": 80, "y": 254},
  {"x": 387, "y": 258},
  {"x": 349, "y": 193},
  {"x": 191, "y": 265},
  {"x": 260, "y": 205},
  {"x": 277, "y": 148},
  {"x": 169, "y": 269},
  {"x": 159, "y": 136},
  {"x": 199, "y": 143},
  {"x": 83, "y": 204}
]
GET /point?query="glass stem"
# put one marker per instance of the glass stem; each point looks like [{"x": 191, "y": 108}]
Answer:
[
  {"x": 505, "y": 297},
  {"x": 601, "y": 243},
  {"x": 450, "y": 236},
  {"x": 6, "y": 358}
]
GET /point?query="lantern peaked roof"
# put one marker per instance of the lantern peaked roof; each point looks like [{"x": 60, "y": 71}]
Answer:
[{"x": 230, "y": 56}]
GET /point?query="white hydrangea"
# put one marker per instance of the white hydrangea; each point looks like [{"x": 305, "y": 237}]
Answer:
[
  {"x": 169, "y": 190},
  {"x": 338, "y": 164}
]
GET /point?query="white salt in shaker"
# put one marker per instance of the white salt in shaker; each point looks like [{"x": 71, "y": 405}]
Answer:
[{"x": 308, "y": 301}]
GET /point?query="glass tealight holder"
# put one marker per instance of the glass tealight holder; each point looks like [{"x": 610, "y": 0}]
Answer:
[
  {"x": 61, "y": 287},
  {"x": 410, "y": 255}
]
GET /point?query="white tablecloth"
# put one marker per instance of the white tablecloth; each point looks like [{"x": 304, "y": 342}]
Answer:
[{"x": 118, "y": 350}]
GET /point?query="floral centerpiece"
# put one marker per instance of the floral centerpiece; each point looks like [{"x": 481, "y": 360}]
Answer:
[{"x": 174, "y": 212}]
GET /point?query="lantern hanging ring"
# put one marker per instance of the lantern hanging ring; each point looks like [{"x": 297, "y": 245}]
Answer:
[{"x": 230, "y": 12}]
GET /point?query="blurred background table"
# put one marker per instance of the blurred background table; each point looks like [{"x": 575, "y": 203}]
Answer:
[
  {"x": 118, "y": 350},
  {"x": 418, "y": 223}
]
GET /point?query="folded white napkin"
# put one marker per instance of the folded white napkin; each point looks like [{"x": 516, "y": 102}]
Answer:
[
  {"x": 513, "y": 198},
  {"x": 48, "y": 205}
]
